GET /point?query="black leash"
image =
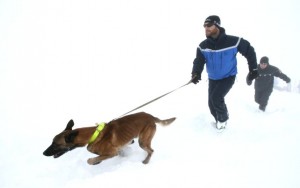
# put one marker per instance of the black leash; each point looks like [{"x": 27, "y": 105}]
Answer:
[{"x": 157, "y": 98}]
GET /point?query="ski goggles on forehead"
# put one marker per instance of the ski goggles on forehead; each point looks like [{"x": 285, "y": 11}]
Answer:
[{"x": 208, "y": 24}]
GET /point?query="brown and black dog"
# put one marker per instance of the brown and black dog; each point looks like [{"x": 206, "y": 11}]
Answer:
[{"x": 115, "y": 135}]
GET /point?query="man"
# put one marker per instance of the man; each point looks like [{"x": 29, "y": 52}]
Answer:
[
  {"x": 218, "y": 51},
  {"x": 264, "y": 83}
]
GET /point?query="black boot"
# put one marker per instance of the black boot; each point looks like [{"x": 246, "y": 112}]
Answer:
[{"x": 262, "y": 108}]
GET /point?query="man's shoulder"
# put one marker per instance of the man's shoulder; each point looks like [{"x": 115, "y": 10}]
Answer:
[
  {"x": 203, "y": 43},
  {"x": 227, "y": 40},
  {"x": 236, "y": 38},
  {"x": 274, "y": 68},
  {"x": 232, "y": 37},
  {"x": 231, "y": 40}
]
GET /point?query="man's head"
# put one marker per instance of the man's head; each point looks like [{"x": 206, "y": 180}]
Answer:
[
  {"x": 212, "y": 26},
  {"x": 264, "y": 62},
  {"x": 215, "y": 20}
]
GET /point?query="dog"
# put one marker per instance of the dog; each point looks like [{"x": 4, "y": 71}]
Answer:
[{"x": 113, "y": 137}]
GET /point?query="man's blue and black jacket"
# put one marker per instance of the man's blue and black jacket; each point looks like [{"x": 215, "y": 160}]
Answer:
[{"x": 219, "y": 55}]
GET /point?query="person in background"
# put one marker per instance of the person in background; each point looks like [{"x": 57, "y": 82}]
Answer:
[
  {"x": 218, "y": 52},
  {"x": 263, "y": 84}
]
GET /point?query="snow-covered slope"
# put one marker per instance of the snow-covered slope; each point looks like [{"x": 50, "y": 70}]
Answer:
[{"x": 257, "y": 150}]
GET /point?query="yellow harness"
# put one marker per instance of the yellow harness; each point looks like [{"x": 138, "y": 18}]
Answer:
[{"x": 97, "y": 132}]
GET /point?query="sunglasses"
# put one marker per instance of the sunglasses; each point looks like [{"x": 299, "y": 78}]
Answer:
[{"x": 208, "y": 25}]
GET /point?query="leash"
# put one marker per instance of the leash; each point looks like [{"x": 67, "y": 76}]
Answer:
[
  {"x": 101, "y": 126},
  {"x": 157, "y": 98}
]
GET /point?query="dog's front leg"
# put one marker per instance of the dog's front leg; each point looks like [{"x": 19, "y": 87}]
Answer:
[{"x": 99, "y": 159}]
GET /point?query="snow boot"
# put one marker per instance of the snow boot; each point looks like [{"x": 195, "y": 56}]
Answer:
[{"x": 221, "y": 125}]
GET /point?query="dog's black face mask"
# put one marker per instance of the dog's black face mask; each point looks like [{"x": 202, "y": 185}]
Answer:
[
  {"x": 62, "y": 142},
  {"x": 55, "y": 150}
]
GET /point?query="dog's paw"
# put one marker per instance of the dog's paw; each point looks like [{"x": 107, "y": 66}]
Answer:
[
  {"x": 92, "y": 161},
  {"x": 146, "y": 161}
]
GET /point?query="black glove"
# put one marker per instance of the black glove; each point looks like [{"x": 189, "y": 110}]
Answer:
[
  {"x": 288, "y": 80},
  {"x": 195, "y": 78},
  {"x": 251, "y": 76}
]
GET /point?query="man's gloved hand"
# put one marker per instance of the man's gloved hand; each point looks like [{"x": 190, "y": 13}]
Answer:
[
  {"x": 251, "y": 76},
  {"x": 195, "y": 78},
  {"x": 288, "y": 80}
]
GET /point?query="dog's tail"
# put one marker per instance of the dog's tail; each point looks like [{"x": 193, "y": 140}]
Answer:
[{"x": 164, "y": 122}]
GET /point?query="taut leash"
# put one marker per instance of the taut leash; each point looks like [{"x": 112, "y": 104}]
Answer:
[{"x": 157, "y": 98}]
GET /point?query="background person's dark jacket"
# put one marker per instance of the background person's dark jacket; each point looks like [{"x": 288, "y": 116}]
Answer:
[{"x": 265, "y": 79}]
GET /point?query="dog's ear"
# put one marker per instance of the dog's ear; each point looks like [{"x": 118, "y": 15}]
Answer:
[
  {"x": 70, "y": 125},
  {"x": 70, "y": 137}
]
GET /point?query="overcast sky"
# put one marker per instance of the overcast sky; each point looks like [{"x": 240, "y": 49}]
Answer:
[{"x": 70, "y": 55}]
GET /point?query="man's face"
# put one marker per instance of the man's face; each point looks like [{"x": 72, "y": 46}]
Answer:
[
  {"x": 263, "y": 65},
  {"x": 210, "y": 30}
]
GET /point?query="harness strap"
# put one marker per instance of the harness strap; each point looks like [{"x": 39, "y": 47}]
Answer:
[{"x": 100, "y": 127}]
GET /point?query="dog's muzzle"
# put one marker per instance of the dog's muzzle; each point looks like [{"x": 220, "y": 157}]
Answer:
[{"x": 53, "y": 151}]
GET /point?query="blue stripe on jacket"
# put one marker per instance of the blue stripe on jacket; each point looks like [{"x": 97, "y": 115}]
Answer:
[{"x": 221, "y": 63}]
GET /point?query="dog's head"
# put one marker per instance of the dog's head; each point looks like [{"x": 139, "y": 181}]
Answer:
[{"x": 63, "y": 142}]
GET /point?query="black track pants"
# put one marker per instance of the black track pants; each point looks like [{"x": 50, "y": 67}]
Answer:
[{"x": 217, "y": 90}]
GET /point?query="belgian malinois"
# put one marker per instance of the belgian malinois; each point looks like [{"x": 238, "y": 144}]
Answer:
[{"x": 115, "y": 135}]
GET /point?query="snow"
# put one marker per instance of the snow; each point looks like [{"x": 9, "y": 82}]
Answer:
[{"x": 94, "y": 61}]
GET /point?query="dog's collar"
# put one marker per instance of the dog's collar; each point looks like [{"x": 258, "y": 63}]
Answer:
[{"x": 96, "y": 133}]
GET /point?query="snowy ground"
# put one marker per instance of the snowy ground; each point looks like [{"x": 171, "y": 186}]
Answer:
[
  {"x": 94, "y": 61},
  {"x": 257, "y": 150}
]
